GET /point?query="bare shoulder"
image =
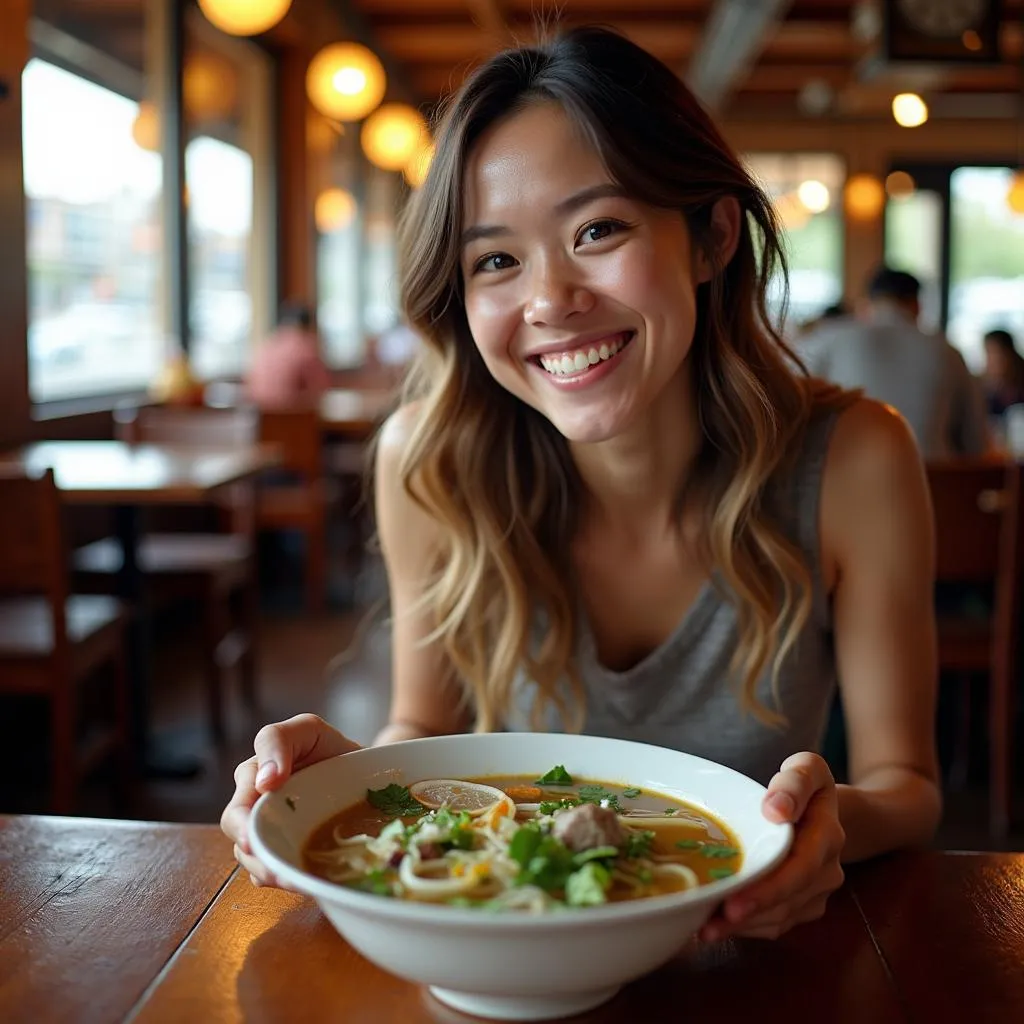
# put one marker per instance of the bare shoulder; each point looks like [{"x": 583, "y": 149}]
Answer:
[
  {"x": 870, "y": 443},
  {"x": 408, "y": 533},
  {"x": 874, "y": 501}
]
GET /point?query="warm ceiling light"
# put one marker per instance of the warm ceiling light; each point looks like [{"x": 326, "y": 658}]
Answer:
[
  {"x": 345, "y": 81},
  {"x": 909, "y": 110},
  {"x": 415, "y": 171},
  {"x": 899, "y": 184},
  {"x": 392, "y": 135},
  {"x": 209, "y": 87},
  {"x": 333, "y": 210},
  {"x": 244, "y": 17},
  {"x": 863, "y": 197},
  {"x": 1015, "y": 195},
  {"x": 971, "y": 40},
  {"x": 814, "y": 195},
  {"x": 146, "y": 127}
]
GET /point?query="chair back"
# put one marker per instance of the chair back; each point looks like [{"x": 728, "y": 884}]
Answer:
[
  {"x": 297, "y": 436},
  {"x": 33, "y": 559},
  {"x": 188, "y": 426}
]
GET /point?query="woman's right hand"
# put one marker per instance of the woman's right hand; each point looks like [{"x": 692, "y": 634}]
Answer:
[{"x": 281, "y": 749}]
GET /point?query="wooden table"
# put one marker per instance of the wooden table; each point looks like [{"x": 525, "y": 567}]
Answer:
[
  {"x": 129, "y": 477},
  {"x": 354, "y": 415},
  {"x": 107, "y": 921}
]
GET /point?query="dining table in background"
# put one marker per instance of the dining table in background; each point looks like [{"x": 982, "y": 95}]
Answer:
[
  {"x": 153, "y": 923},
  {"x": 348, "y": 414},
  {"x": 128, "y": 478}
]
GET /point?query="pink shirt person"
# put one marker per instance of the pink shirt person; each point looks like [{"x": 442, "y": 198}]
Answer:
[{"x": 287, "y": 368}]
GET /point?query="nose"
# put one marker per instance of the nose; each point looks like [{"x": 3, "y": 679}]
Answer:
[{"x": 555, "y": 294}]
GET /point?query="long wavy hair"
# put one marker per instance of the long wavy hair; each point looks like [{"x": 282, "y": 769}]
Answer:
[{"x": 498, "y": 478}]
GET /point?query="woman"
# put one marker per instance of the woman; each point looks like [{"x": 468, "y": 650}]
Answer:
[
  {"x": 614, "y": 502},
  {"x": 1004, "y": 372}
]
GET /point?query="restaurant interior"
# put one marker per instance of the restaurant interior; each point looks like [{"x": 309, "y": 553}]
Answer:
[{"x": 182, "y": 182}]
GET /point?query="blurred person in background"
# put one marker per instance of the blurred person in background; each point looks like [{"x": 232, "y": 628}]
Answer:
[
  {"x": 923, "y": 376},
  {"x": 1004, "y": 372},
  {"x": 287, "y": 369}
]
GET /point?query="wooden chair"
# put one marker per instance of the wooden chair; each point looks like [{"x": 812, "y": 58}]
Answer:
[
  {"x": 52, "y": 641},
  {"x": 215, "y": 569},
  {"x": 980, "y": 540},
  {"x": 300, "y": 502}
]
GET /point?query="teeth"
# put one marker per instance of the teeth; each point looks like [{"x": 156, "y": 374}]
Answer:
[{"x": 563, "y": 366}]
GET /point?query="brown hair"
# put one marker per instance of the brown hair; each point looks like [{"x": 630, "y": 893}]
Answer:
[{"x": 499, "y": 478}]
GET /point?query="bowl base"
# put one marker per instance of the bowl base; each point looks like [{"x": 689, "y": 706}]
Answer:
[{"x": 523, "y": 1007}]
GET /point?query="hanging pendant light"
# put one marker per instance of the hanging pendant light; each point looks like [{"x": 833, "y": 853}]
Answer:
[
  {"x": 1015, "y": 193},
  {"x": 392, "y": 135},
  {"x": 345, "y": 81},
  {"x": 863, "y": 197},
  {"x": 244, "y": 17},
  {"x": 333, "y": 210}
]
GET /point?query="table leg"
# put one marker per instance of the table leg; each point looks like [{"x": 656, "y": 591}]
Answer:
[{"x": 153, "y": 761}]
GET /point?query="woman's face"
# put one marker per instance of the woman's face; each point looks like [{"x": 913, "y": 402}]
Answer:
[{"x": 581, "y": 300}]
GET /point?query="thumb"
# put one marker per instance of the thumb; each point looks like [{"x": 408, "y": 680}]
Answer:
[{"x": 289, "y": 746}]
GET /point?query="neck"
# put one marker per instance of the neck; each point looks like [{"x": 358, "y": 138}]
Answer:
[{"x": 632, "y": 480}]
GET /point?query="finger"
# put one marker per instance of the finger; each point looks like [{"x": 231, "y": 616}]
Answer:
[
  {"x": 794, "y": 785},
  {"x": 259, "y": 873},
  {"x": 234, "y": 821},
  {"x": 288, "y": 746},
  {"x": 749, "y": 906},
  {"x": 771, "y": 926}
]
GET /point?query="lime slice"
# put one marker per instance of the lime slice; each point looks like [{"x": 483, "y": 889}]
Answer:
[{"x": 456, "y": 795}]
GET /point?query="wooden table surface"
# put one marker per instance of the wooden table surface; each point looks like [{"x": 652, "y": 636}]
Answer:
[
  {"x": 108, "y": 921},
  {"x": 112, "y": 472}
]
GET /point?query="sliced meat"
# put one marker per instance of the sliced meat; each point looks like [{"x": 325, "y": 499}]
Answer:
[{"x": 588, "y": 826}]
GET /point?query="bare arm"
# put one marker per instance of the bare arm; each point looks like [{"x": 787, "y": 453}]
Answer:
[
  {"x": 878, "y": 539},
  {"x": 425, "y": 697}
]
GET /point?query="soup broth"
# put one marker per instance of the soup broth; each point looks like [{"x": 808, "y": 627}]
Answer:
[{"x": 521, "y": 843}]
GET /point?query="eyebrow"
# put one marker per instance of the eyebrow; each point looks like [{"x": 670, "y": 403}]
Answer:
[{"x": 570, "y": 204}]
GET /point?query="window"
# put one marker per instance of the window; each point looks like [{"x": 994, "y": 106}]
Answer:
[
  {"x": 913, "y": 242},
  {"x": 806, "y": 190},
  {"x": 986, "y": 266},
  {"x": 93, "y": 237},
  {"x": 226, "y": 92},
  {"x": 380, "y": 295}
]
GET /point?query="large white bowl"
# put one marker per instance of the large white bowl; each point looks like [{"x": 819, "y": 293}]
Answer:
[{"x": 514, "y": 967}]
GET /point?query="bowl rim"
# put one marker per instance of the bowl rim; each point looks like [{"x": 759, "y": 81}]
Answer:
[{"x": 372, "y": 905}]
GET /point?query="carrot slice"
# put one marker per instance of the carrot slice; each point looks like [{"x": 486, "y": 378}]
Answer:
[{"x": 524, "y": 794}]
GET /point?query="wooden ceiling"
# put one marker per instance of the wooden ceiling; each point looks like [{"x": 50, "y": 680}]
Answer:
[{"x": 786, "y": 55}]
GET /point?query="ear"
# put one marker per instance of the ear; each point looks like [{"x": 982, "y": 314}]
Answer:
[{"x": 726, "y": 220}]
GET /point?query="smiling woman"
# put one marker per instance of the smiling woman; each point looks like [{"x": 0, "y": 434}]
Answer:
[{"x": 613, "y": 500}]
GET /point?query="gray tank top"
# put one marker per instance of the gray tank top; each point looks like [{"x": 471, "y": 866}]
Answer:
[{"x": 681, "y": 696}]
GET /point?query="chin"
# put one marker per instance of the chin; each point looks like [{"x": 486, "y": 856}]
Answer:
[{"x": 590, "y": 429}]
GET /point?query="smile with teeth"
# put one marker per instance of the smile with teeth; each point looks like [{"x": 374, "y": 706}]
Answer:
[{"x": 575, "y": 361}]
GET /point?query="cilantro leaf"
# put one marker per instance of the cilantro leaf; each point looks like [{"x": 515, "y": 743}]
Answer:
[
  {"x": 631, "y": 793},
  {"x": 524, "y": 844},
  {"x": 594, "y": 793},
  {"x": 558, "y": 776},
  {"x": 375, "y": 881},
  {"x": 688, "y": 844},
  {"x": 669, "y": 811},
  {"x": 638, "y": 844},
  {"x": 597, "y": 853},
  {"x": 587, "y": 887},
  {"x": 719, "y": 851},
  {"x": 717, "y": 873},
  {"x": 395, "y": 800},
  {"x": 550, "y": 806}
]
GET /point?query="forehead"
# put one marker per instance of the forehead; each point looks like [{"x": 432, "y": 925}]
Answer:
[{"x": 528, "y": 162}]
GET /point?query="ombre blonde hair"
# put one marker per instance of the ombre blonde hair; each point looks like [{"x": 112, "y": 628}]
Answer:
[{"x": 498, "y": 477}]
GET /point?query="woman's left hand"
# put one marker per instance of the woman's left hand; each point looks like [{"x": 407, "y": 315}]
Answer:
[{"x": 802, "y": 792}]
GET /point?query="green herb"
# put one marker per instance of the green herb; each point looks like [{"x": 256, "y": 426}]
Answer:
[
  {"x": 688, "y": 844},
  {"x": 645, "y": 876},
  {"x": 669, "y": 811},
  {"x": 543, "y": 861},
  {"x": 587, "y": 887},
  {"x": 631, "y": 793},
  {"x": 395, "y": 800},
  {"x": 376, "y": 881},
  {"x": 719, "y": 851},
  {"x": 717, "y": 873},
  {"x": 550, "y": 806},
  {"x": 558, "y": 776},
  {"x": 524, "y": 844},
  {"x": 462, "y": 838},
  {"x": 638, "y": 844},
  {"x": 594, "y": 793},
  {"x": 290, "y": 801},
  {"x": 597, "y": 853}
]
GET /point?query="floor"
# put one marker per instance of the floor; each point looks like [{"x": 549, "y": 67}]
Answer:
[{"x": 336, "y": 665}]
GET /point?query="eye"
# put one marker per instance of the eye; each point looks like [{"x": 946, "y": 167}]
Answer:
[
  {"x": 493, "y": 262},
  {"x": 598, "y": 231}
]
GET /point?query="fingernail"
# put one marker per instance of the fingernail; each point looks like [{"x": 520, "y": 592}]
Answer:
[
  {"x": 267, "y": 771},
  {"x": 783, "y": 803}
]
